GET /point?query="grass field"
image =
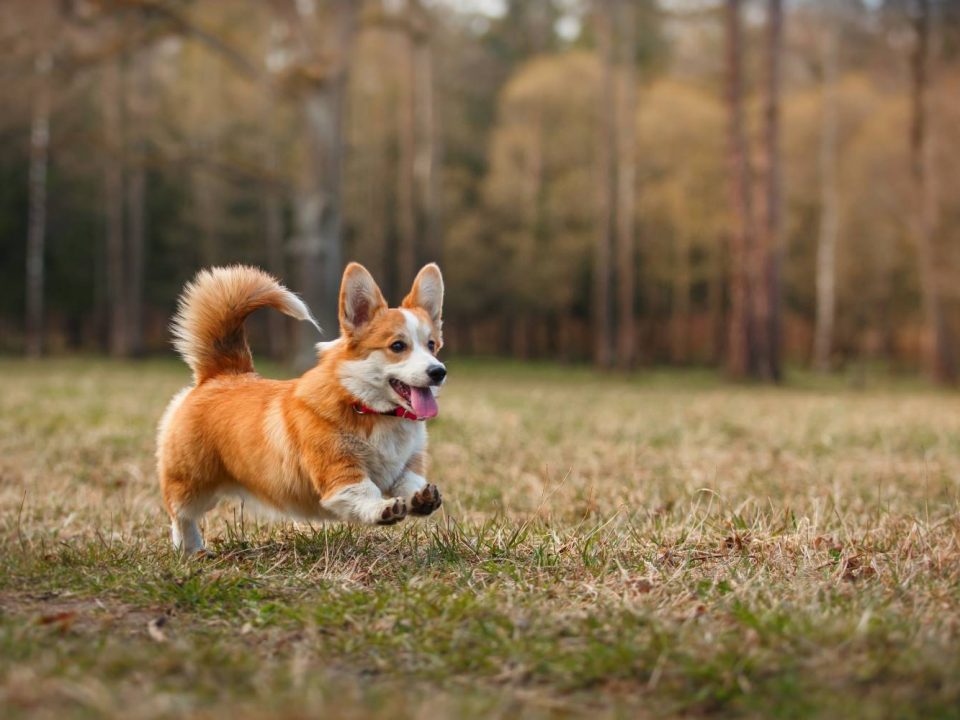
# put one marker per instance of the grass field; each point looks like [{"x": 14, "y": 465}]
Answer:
[{"x": 607, "y": 546}]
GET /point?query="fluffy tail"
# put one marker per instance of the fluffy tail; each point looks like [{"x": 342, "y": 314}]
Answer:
[{"x": 208, "y": 327}]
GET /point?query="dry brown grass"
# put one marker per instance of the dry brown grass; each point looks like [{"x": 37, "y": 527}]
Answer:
[{"x": 607, "y": 545}]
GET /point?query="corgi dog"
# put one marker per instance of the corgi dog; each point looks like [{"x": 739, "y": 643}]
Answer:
[{"x": 344, "y": 441}]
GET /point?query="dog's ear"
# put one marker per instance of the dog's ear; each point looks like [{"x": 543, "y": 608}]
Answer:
[
  {"x": 360, "y": 299},
  {"x": 427, "y": 293}
]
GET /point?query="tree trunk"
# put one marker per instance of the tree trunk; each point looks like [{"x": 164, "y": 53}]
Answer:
[
  {"x": 769, "y": 319},
  {"x": 407, "y": 250},
  {"x": 273, "y": 232},
  {"x": 680, "y": 302},
  {"x": 716, "y": 282},
  {"x": 829, "y": 203},
  {"x": 318, "y": 201},
  {"x": 136, "y": 206},
  {"x": 272, "y": 209},
  {"x": 942, "y": 363},
  {"x": 112, "y": 105},
  {"x": 207, "y": 187},
  {"x": 602, "y": 339},
  {"x": 136, "y": 217},
  {"x": 425, "y": 157},
  {"x": 626, "y": 187},
  {"x": 739, "y": 360},
  {"x": 37, "y": 222}
]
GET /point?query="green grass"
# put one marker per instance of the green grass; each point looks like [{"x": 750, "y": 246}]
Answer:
[{"x": 608, "y": 546}]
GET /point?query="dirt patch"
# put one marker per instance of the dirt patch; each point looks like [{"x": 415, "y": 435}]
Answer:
[{"x": 65, "y": 612}]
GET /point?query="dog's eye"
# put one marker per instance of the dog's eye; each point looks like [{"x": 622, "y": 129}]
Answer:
[
  {"x": 399, "y": 346},
  {"x": 431, "y": 346}
]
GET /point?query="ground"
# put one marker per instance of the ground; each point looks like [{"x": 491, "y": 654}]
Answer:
[{"x": 618, "y": 547}]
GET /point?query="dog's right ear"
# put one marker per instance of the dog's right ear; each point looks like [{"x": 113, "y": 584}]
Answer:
[{"x": 360, "y": 299}]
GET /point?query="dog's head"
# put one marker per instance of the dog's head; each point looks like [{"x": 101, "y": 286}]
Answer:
[{"x": 390, "y": 354}]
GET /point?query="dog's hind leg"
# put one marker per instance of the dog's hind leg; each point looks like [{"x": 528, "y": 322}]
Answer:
[
  {"x": 185, "y": 513},
  {"x": 185, "y": 532}
]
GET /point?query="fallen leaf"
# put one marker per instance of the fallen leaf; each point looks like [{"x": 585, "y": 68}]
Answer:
[
  {"x": 155, "y": 629},
  {"x": 63, "y": 619}
]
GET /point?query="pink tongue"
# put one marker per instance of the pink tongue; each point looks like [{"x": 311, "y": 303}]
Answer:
[{"x": 423, "y": 402}]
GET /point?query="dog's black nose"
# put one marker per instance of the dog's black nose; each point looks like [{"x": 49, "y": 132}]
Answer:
[{"x": 437, "y": 373}]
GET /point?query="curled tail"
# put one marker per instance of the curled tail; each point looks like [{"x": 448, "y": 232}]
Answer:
[{"x": 208, "y": 327}]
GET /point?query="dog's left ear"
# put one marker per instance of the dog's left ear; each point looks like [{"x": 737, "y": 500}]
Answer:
[{"x": 427, "y": 293}]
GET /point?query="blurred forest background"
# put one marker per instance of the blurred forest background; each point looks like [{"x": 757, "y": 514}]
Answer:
[{"x": 740, "y": 183}]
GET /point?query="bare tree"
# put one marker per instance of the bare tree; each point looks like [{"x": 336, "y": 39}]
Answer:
[
  {"x": 626, "y": 184},
  {"x": 606, "y": 149},
  {"x": 943, "y": 365},
  {"x": 829, "y": 200},
  {"x": 739, "y": 330},
  {"x": 37, "y": 222}
]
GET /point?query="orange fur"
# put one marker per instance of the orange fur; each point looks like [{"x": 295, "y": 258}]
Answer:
[
  {"x": 292, "y": 445},
  {"x": 208, "y": 327}
]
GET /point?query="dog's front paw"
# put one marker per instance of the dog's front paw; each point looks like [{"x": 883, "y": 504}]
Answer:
[
  {"x": 393, "y": 513},
  {"x": 425, "y": 501}
]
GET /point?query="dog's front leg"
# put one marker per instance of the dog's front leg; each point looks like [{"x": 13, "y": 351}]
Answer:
[
  {"x": 422, "y": 497},
  {"x": 362, "y": 502}
]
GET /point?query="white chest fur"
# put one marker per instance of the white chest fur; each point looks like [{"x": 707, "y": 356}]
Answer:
[{"x": 389, "y": 448}]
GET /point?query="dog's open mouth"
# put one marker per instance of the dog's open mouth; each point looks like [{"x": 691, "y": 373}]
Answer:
[{"x": 419, "y": 399}]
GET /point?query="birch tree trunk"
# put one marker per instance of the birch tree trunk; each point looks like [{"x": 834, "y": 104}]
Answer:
[
  {"x": 318, "y": 211},
  {"x": 942, "y": 363},
  {"x": 626, "y": 186},
  {"x": 112, "y": 108},
  {"x": 606, "y": 125},
  {"x": 37, "y": 222},
  {"x": 417, "y": 229},
  {"x": 739, "y": 361},
  {"x": 829, "y": 203}
]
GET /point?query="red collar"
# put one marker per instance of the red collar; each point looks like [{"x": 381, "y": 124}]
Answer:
[{"x": 400, "y": 412}]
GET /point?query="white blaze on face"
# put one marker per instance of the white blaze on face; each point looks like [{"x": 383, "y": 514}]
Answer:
[{"x": 413, "y": 369}]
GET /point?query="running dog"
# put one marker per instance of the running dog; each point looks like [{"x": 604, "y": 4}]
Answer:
[{"x": 344, "y": 441}]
